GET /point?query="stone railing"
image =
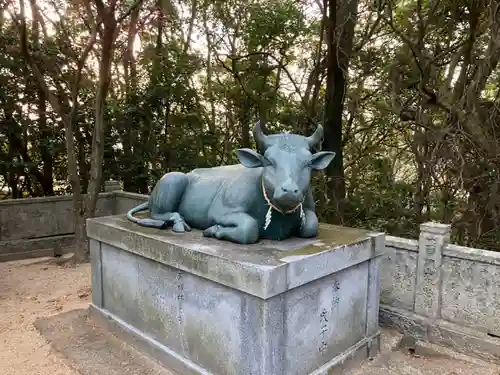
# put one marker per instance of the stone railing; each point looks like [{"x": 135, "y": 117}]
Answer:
[
  {"x": 36, "y": 227},
  {"x": 442, "y": 293}
]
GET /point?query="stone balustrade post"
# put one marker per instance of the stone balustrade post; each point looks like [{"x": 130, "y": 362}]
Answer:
[
  {"x": 434, "y": 237},
  {"x": 111, "y": 185}
]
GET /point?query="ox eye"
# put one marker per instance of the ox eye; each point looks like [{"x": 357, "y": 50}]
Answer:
[{"x": 267, "y": 162}]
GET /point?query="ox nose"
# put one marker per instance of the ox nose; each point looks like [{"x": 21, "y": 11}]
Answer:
[
  {"x": 288, "y": 189},
  {"x": 288, "y": 195}
]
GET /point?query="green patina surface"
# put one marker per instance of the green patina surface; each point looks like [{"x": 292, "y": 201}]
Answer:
[
  {"x": 329, "y": 236},
  {"x": 267, "y": 252},
  {"x": 261, "y": 253}
]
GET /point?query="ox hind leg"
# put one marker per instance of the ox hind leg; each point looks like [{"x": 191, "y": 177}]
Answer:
[
  {"x": 236, "y": 227},
  {"x": 164, "y": 202}
]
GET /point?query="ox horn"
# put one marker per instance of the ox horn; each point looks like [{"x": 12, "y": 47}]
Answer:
[
  {"x": 260, "y": 138},
  {"x": 317, "y": 138}
]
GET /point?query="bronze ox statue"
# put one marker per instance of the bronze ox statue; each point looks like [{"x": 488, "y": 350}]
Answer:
[{"x": 267, "y": 196}]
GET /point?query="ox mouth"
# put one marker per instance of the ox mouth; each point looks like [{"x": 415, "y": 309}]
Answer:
[
  {"x": 287, "y": 206},
  {"x": 285, "y": 203}
]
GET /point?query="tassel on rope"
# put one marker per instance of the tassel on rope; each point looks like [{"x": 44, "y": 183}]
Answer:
[
  {"x": 302, "y": 217},
  {"x": 268, "y": 217},
  {"x": 269, "y": 212}
]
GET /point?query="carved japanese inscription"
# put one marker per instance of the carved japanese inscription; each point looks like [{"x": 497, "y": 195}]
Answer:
[
  {"x": 180, "y": 297},
  {"x": 323, "y": 319}
]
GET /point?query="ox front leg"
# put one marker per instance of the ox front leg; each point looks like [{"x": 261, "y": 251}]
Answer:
[
  {"x": 309, "y": 227},
  {"x": 237, "y": 227}
]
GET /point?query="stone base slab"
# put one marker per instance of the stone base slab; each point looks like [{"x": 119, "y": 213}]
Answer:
[
  {"x": 441, "y": 332},
  {"x": 366, "y": 348}
]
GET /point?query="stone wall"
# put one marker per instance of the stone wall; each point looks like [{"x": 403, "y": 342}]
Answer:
[
  {"x": 442, "y": 293},
  {"x": 35, "y": 227},
  {"x": 126, "y": 201}
]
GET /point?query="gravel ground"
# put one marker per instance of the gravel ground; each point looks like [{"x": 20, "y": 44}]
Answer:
[
  {"x": 427, "y": 359},
  {"x": 30, "y": 289}
]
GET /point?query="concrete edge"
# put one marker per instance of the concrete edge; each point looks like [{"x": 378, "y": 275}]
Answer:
[
  {"x": 36, "y": 248},
  {"x": 144, "y": 344},
  {"x": 471, "y": 254},
  {"x": 461, "y": 339},
  {"x": 353, "y": 357},
  {"x": 400, "y": 243},
  {"x": 22, "y": 245},
  {"x": 36, "y": 200},
  {"x": 40, "y": 253},
  {"x": 126, "y": 194},
  {"x": 326, "y": 262}
]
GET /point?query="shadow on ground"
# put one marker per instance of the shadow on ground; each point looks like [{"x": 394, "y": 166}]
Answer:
[{"x": 92, "y": 351}]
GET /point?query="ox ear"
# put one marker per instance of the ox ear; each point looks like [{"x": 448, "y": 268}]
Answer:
[
  {"x": 321, "y": 160},
  {"x": 250, "y": 158}
]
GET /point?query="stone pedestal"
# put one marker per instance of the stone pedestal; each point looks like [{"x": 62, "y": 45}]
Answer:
[
  {"x": 203, "y": 306},
  {"x": 434, "y": 237}
]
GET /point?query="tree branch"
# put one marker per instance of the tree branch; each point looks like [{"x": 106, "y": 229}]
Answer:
[
  {"x": 488, "y": 64},
  {"x": 191, "y": 25},
  {"x": 137, "y": 4},
  {"x": 280, "y": 65}
]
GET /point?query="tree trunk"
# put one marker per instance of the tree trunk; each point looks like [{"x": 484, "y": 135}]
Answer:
[
  {"x": 314, "y": 80},
  {"x": 132, "y": 141},
  {"x": 339, "y": 34},
  {"x": 45, "y": 148},
  {"x": 90, "y": 201},
  {"x": 81, "y": 242},
  {"x": 210, "y": 93},
  {"x": 81, "y": 213},
  {"x": 45, "y": 132}
]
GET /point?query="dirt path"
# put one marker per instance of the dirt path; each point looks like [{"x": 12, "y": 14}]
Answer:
[{"x": 30, "y": 289}]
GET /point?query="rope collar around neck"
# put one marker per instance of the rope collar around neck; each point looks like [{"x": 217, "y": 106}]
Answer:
[{"x": 272, "y": 206}]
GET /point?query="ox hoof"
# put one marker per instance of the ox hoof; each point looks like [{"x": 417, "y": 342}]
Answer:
[
  {"x": 152, "y": 223},
  {"x": 212, "y": 231},
  {"x": 181, "y": 227}
]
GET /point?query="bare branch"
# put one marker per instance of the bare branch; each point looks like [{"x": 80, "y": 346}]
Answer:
[
  {"x": 101, "y": 8},
  {"x": 129, "y": 11},
  {"x": 21, "y": 25},
  {"x": 191, "y": 25},
  {"x": 492, "y": 56},
  {"x": 280, "y": 66}
]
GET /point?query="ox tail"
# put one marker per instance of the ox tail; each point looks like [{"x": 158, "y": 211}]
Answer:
[
  {"x": 142, "y": 207},
  {"x": 145, "y": 222}
]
